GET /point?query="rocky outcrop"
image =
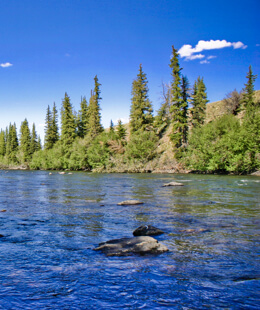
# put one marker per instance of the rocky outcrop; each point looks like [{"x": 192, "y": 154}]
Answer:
[
  {"x": 127, "y": 246},
  {"x": 147, "y": 230},
  {"x": 130, "y": 203}
]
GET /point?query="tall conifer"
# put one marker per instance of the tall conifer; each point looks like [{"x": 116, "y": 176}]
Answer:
[
  {"x": 68, "y": 124},
  {"x": 82, "y": 119},
  {"x": 25, "y": 141},
  {"x": 141, "y": 117},
  {"x": 199, "y": 101},
  {"x": 94, "y": 116},
  {"x": 2, "y": 143}
]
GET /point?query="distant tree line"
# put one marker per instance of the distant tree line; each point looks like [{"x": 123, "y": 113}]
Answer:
[{"x": 226, "y": 144}]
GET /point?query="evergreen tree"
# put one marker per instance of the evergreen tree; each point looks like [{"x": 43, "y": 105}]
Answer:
[
  {"x": 68, "y": 125},
  {"x": 25, "y": 141},
  {"x": 82, "y": 120},
  {"x": 34, "y": 141},
  {"x": 177, "y": 105},
  {"x": 185, "y": 98},
  {"x": 248, "y": 94},
  {"x": 48, "y": 130},
  {"x": 199, "y": 101},
  {"x": 121, "y": 130},
  {"x": 111, "y": 127},
  {"x": 11, "y": 142},
  {"x": 141, "y": 117},
  {"x": 2, "y": 143},
  {"x": 94, "y": 116},
  {"x": 54, "y": 125}
]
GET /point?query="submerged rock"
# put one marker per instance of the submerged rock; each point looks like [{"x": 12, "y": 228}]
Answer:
[
  {"x": 126, "y": 246},
  {"x": 173, "y": 184},
  {"x": 147, "y": 230},
  {"x": 130, "y": 203}
]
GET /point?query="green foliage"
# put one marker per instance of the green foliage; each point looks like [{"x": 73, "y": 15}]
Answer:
[
  {"x": 2, "y": 143},
  {"x": 199, "y": 101},
  {"x": 68, "y": 123},
  {"x": 142, "y": 145},
  {"x": 94, "y": 116},
  {"x": 121, "y": 130},
  {"x": 179, "y": 103},
  {"x": 82, "y": 120},
  {"x": 248, "y": 93},
  {"x": 141, "y": 117},
  {"x": 25, "y": 141}
]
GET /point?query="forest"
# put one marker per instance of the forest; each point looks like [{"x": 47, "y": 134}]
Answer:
[{"x": 179, "y": 137}]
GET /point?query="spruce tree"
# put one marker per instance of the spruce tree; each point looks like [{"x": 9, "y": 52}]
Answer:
[
  {"x": 120, "y": 130},
  {"x": 68, "y": 124},
  {"x": 248, "y": 91},
  {"x": 54, "y": 125},
  {"x": 34, "y": 140},
  {"x": 2, "y": 143},
  {"x": 11, "y": 142},
  {"x": 25, "y": 141},
  {"x": 177, "y": 105},
  {"x": 82, "y": 118},
  {"x": 141, "y": 117},
  {"x": 185, "y": 98},
  {"x": 48, "y": 130},
  {"x": 94, "y": 116},
  {"x": 199, "y": 101},
  {"x": 111, "y": 127}
]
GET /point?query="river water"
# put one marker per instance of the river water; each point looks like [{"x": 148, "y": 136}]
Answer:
[{"x": 49, "y": 225}]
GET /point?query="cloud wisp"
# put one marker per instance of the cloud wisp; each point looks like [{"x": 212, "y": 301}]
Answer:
[
  {"x": 190, "y": 53},
  {"x": 6, "y": 65}
]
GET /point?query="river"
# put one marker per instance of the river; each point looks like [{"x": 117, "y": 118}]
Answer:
[{"x": 50, "y": 223}]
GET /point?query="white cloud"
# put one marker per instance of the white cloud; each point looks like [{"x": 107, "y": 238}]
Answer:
[
  {"x": 6, "y": 65},
  {"x": 187, "y": 51},
  {"x": 211, "y": 57},
  {"x": 204, "y": 62},
  {"x": 192, "y": 57}
]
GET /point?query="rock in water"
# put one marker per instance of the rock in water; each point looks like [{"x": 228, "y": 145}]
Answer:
[
  {"x": 173, "y": 184},
  {"x": 130, "y": 203},
  {"x": 147, "y": 230},
  {"x": 127, "y": 246}
]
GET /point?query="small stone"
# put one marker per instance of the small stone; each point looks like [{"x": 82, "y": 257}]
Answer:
[
  {"x": 147, "y": 230},
  {"x": 3, "y": 210},
  {"x": 130, "y": 203},
  {"x": 173, "y": 184}
]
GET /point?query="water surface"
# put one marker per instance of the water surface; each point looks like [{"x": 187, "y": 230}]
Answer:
[{"x": 50, "y": 224}]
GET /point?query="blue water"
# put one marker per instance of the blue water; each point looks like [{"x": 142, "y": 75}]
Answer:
[{"x": 49, "y": 225}]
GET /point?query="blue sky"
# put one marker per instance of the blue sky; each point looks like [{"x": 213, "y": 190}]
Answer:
[{"x": 51, "y": 47}]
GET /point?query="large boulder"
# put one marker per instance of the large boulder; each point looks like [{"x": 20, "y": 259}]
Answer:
[
  {"x": 147, "y": 230},
  {"x": 127, "y": 246},
  {"x": 173, "y": 184},
  {"x": 130, "y": 203}
]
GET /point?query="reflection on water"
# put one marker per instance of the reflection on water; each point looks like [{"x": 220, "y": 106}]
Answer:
[{"x": 53, "y": 222}]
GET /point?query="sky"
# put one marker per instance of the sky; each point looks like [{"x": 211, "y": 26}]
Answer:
[{"x": 49, "y": 47}]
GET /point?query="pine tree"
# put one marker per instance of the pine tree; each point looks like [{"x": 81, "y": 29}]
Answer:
[
  {"x": 25, "y": 141},
  {"x": 111, "y": 127},
  {"x": 68, "y": 125},
  {"x": 54, "y": 125},
  {"x": 176, "y": 108},
  {"x": 141, "y": 117},
  {"x": 82, "y": 119},
  {"x": 34, "y": 140},
  {"x": 11, "y": 142},
  {"x": 120, "y": 130},
  {"x": 248, "y": 92},
  {"x": 94, "y": 116},
  {"x": 2, "y": 143},
  {"x": 199, "y": 101},
  {"x": 48, "y": 130},
  {"x": 185, "y": 98}
]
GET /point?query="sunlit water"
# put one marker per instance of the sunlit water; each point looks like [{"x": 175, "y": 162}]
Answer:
[{"x": 49, "y": 225}]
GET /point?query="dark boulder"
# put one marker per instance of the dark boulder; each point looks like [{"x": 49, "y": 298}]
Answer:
[
  {"x": 147, "y": 230},
  {"x": 127, "y": 246}
]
